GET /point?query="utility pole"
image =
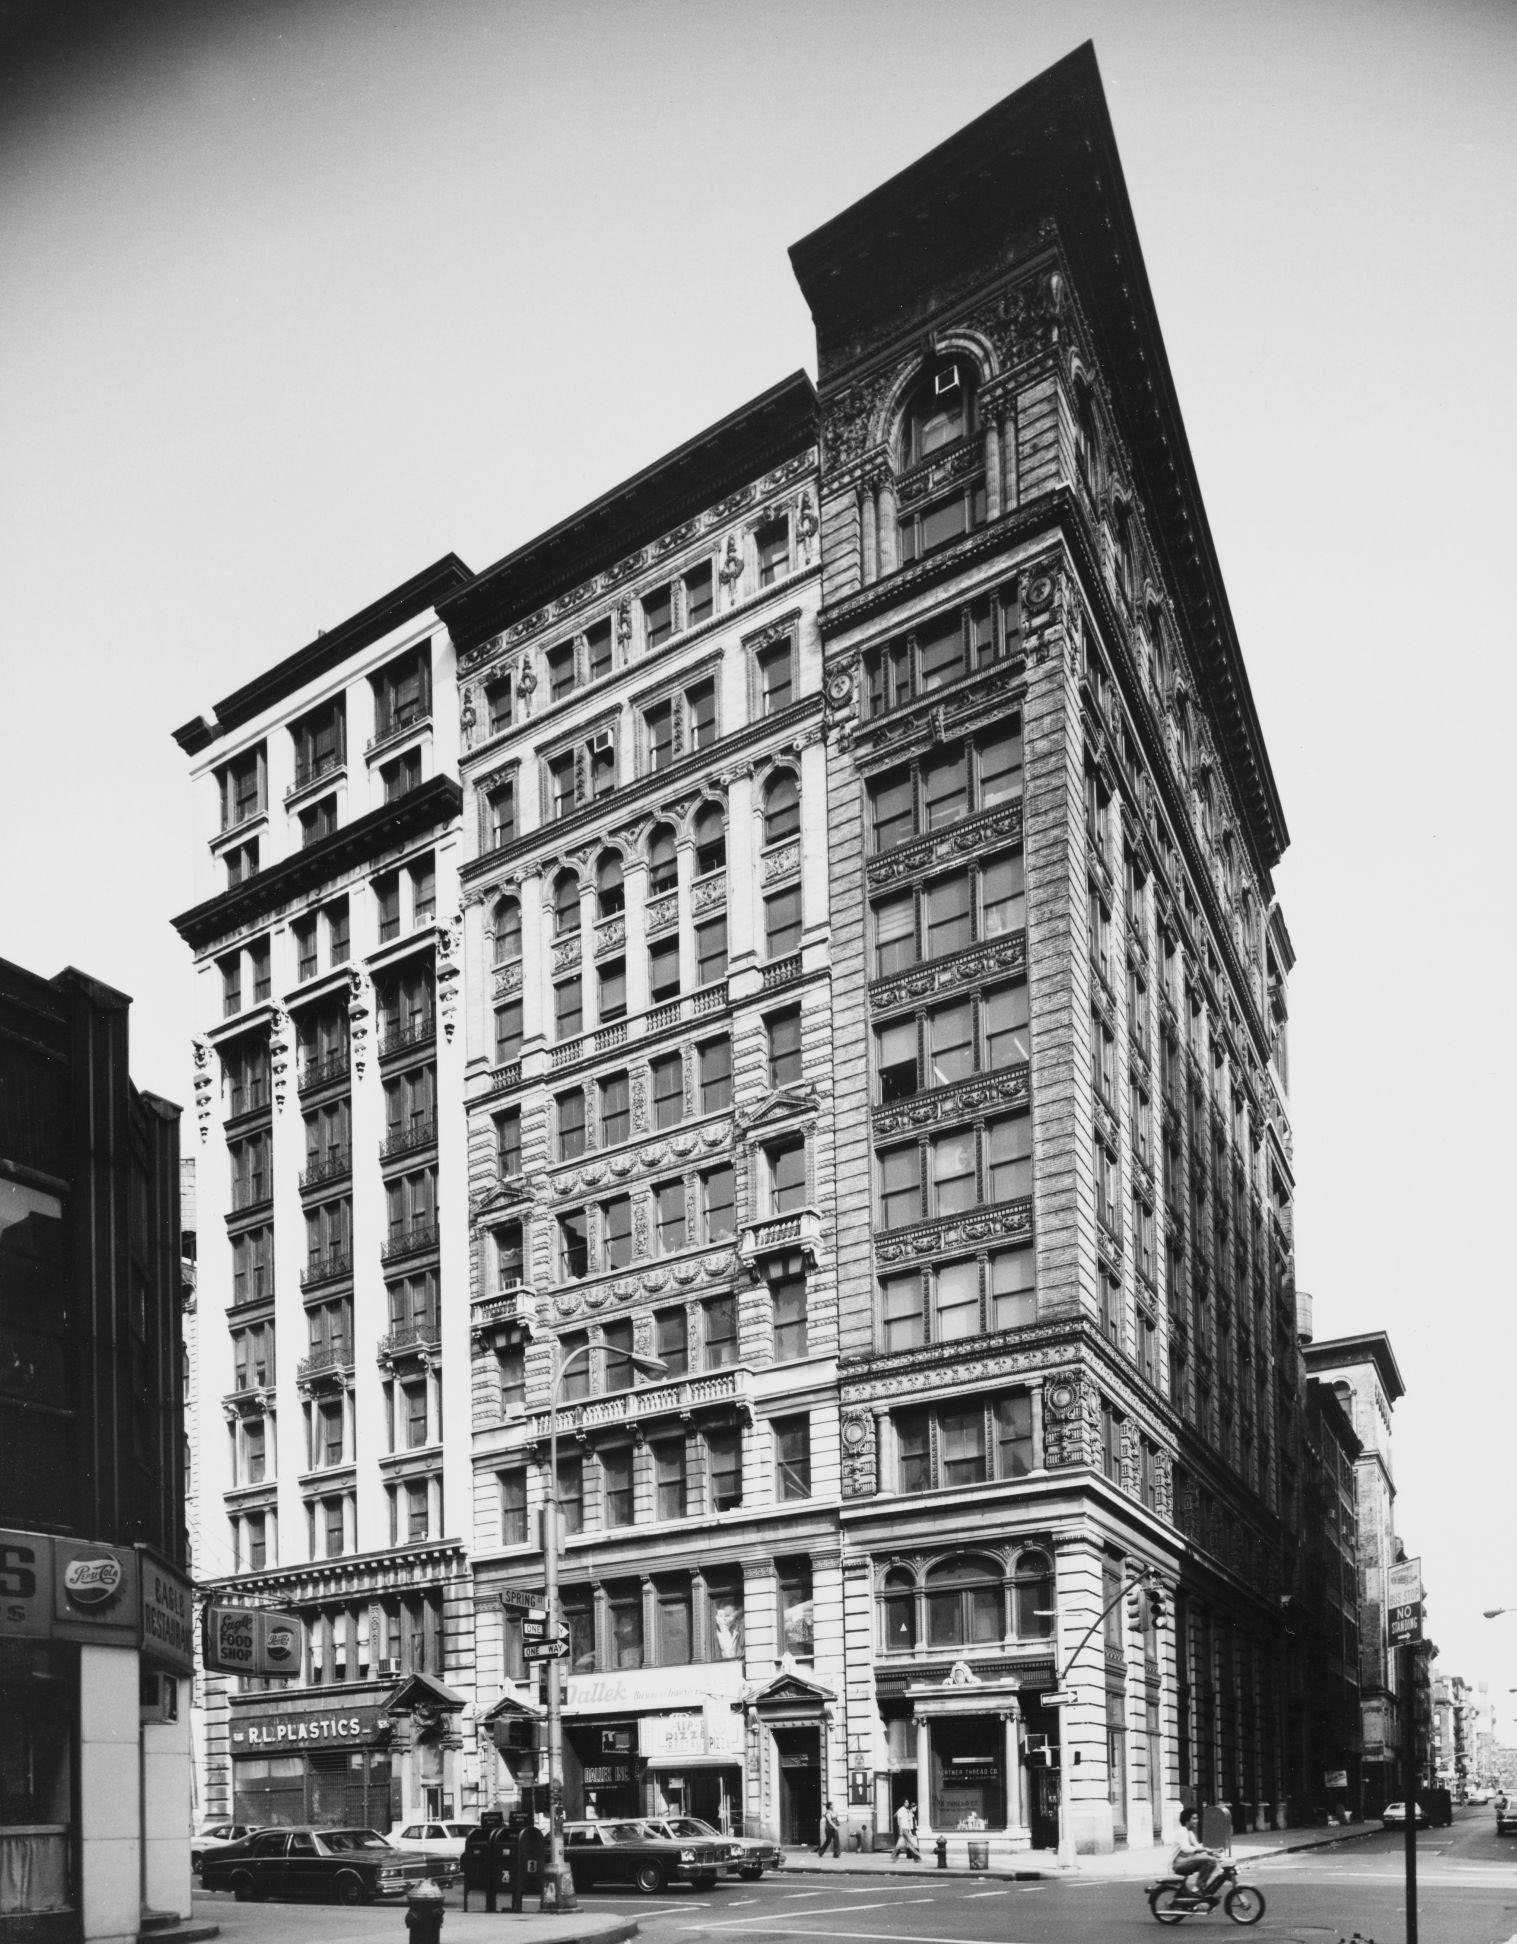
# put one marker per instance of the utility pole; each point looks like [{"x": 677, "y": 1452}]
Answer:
[{"x": 1408, "y": 1670}]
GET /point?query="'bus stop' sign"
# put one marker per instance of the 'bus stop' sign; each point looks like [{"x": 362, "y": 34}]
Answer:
[{"x": 1406, "y": 1602}]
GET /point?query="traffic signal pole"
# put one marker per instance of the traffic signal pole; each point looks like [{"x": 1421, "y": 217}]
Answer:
[{"x": 1145, "y": 1584}]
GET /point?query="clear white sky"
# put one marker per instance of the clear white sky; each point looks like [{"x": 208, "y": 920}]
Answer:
[{"x": 296, "y": 297}]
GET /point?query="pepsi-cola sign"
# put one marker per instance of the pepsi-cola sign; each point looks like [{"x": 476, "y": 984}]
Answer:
[{"x": 93, "y": 1580}]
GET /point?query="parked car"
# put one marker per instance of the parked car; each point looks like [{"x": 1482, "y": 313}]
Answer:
[
  {"x": 434, "y": 1838},
  {"x": 753, "y": 1854},
  {"x": 1393, "y": 1815},
  {"x": 346, "y": 1866},
  {"x": 630, "y": 1852},
  {"x": 216, "y": 1836},
  {"x": 1506, "y": 1813},
  {"x": 1479, "y": 1795}
]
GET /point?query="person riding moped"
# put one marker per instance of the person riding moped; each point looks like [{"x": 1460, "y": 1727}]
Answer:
[{"x": 1193, "y": 1858}]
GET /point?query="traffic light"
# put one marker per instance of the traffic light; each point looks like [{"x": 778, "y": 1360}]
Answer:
[
  {"x": 1135, "y": 1606},
  {"x": 1155, "y": 1605}
]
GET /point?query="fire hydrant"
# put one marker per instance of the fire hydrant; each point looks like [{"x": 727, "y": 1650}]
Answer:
[
  {"x": 940, "y": 1850},
  {"x": 424, "y": 1913}
]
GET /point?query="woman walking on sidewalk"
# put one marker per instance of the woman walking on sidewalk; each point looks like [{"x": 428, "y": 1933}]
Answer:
[{"x": 830, "y": 1829}]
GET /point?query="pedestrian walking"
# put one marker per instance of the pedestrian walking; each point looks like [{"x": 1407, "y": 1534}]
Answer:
[
  {"x": 906, "y": 1833},
  {"x": 830, "y": 1831}
]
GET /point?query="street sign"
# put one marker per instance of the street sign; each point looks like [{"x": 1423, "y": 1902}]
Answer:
[
  {"x": 1059, "y": 1698},
  {"x": 537, "y": 1626},
  {"x": 1405, "y": 1603},
  {"x": 546, "y": 1650},
  {"x": 519, "y": 1596}
]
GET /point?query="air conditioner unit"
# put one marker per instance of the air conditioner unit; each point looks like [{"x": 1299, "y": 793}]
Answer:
[
  {"x": 602, "y": 740},
  {"x": 946, "y": 381},
  {"x": 387, "y": 1667}
]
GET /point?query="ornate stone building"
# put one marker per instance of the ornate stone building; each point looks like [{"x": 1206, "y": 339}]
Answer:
[{"x": 870, "y": 1075}]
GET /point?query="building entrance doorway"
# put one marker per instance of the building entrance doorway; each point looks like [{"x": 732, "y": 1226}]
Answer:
[{"x": 800, "y": 1764}]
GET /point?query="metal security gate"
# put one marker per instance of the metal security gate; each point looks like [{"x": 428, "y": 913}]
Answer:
[{"x": 334, "y": 1788}]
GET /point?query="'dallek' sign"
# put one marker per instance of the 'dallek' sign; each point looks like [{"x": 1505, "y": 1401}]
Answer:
[{"x": 252, "y": 1640}]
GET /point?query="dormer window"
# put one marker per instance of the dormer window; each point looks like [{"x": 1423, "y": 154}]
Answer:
[{"x": 940, "y": 411}]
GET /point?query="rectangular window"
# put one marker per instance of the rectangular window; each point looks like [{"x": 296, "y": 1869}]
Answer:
[
  {"x": 895, "y": 1058},
  {"x": 783, "y": 1031},
  {"x": 1003, "y": 895},
  {"x": 573, "y": 1245},
  {"x": 318, "y": 820},
  {"x": 792, "y": 1457},
  {"x": 785, "y": 1170},
  {"x": 403, "y": 692},
  {"x": 961, "y": 1436},
  {"x": 719, "y": 1331},
  {"x": 669, "y": 1478},
  {"x": 715, "y": 1063},
  {"x": 423, "y": 876},
  {"x": 658, "y": 616},
  {"x": 891, "y": 815},
  {"x": 616, "y": 1354},
  {"x": 498, "y": 705},
  {"x": 787, "y": 1293},
  {"x": 776, "y": 677},
  {"x": 560, "y": 662},
  {"x": 701, "y": 704},
  {"x": 940, "y": 651},
  {"x": 797, "y": 1621},
  {"x": 598, "y": 649},
  {"x": 998, "y": 765},
  {"x": 669, "y": 1216},
  {"x": 508, "y": 1143},
  {"x": 782, "y": 922},
  {"x": 338, "y": 944},
  {"x": 320, "y": 743},
  {"x": 724, "y": 1469},
  {"x": 698, "y": 595},
  {"x": 570, "y": 1114},
  {"x": 945, "y": 915},
  {"x": 950, "y": 1043},
  {"x": 241, "y": 783},
  {"x": 562, "y": 788},
  {"x": 671, "y": 1337},
  {"x": 513, "y": 1507},
  {"x": 718, "y": 1205},
  {"x": 615, "y": 1109},
  {"x": 711, "y": 951},
  {"x": 387, "y": 906},
  {"x": 508, "y": 1032},
  {"x": 1008, "y": 1158},
  {"x": 500, "y": 814},
  {"x": 945, "y": 789},
  {"x": 674, "y": 1630},
  {"x": 895, "y": 935},
  {"x": 571, "y": 1492},
  {"x": 668, "y": 1077},
  {"x": 616, "y": 1485},
  {"x": 772, "y": 544},
  {"x": 663, "y": 969},
  {"x": 900, "y": 1193},
  {"x": 303, "y": 931},
  {"x": 659, "y": 724},
  {"x": 568, "y": 1009},
  {"x": 1008, "y": 1038},
  {"x": 955, "y": 1301},
  {"x": 1013, "y": 1433},
  {"x": 616, "y": 1232},
  {"x": 511, "y": 1366},
  {"x": 1012, "y": 1300},
  {"x": 399, "y": 777},
  {"x": 913, "y": 1447},
  {"x": 901, "y": 1321},
  {"x": 611, "y": 993}
]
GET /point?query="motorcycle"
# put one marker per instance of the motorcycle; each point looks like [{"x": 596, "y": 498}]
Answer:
[{"x": 1175, "y": 1898}]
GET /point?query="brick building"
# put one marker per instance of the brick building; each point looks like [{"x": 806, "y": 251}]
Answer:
[{"x": 869, "y": 1070}]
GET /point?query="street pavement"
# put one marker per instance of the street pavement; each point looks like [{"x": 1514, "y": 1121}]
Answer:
[{"x": 1317, "y": 1892}]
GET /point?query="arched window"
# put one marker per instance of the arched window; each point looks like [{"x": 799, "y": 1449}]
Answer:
[
  {"x": 899, "y": 1611},
  {"x": 663, "y": 872},
  {"x": 782, "y": 807},
  {"x": 565, "y": 904},
  {"x": 1122, "y": 550},
  {"x": 1032, "y": 1596},
  {"x": 506, "y": 925},
  {"x": 940, "y": 411},
  {"x": 710, "y": 839},
  {"x": 1160, "y": 662},
  {"x": 964, "y": 1602},
  {"x": 1085, "y": 435},
  {"x": 609, "y": 895}
]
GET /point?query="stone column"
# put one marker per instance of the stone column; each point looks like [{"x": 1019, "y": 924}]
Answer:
[
  {"x": 924, "y": 1777},
  {"x": 993, "y": 465},
  {"x": 814, "y": 914},
  {"x": 742, "y": 872},
  {"x": 1008, "y": 430},
  {"x": 889, "y": 558},
  {"x": 869, "y": 537},
  {"x": 535, "y": 949},
  {"x": 635, "y": 915},
  {"x": 1016, "y": 1808}
]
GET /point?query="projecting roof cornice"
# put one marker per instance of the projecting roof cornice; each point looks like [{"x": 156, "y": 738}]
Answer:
[
  {"x": 1048, "y": 153},
  {"x": 436, "y": 803}
]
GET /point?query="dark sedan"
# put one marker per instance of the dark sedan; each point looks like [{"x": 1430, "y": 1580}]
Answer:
[
  {"x": 347, "y": 1866},
  {"x": 630, "y": 1852}
]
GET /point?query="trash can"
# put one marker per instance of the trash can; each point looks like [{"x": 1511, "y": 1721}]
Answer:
[{"x": 979, "y": 1856}]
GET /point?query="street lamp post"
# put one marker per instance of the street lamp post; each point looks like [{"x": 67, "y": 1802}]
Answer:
[{"x": 558, "y": 1884}]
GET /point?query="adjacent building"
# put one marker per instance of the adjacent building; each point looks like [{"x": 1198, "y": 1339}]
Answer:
[
  {"x": 1363, "y": 1372},
  {"x": 95, "y": 1624},
  {"x": 788, "y": 1006}
]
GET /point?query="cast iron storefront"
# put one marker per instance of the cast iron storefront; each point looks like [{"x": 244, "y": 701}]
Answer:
[{"x": 313, "y": 1760}]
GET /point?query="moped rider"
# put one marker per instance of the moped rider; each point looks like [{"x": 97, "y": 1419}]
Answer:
[{"x": 1193, "y": 1858}]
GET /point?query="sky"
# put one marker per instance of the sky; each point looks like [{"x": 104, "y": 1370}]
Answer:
[{"x": 298, "y": 297}]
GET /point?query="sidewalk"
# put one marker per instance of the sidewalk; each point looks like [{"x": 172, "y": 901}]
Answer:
[
  {"x": 1125, "y": 1864},
  {"x": 385, "y": 1923}
]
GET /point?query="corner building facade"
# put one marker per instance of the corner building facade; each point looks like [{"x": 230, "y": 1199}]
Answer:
[{"x": 871, "y": 1076}]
